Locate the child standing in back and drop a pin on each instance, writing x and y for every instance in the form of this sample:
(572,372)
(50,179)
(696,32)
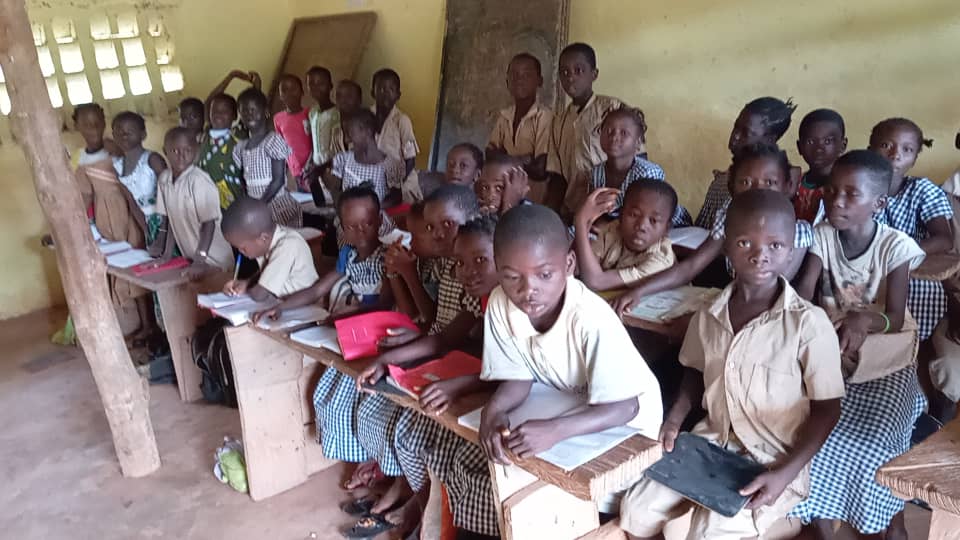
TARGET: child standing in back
(216,150)
(523,129)
(630,248)
(917,207)
(821,140)
(464,163)
(365,162)
(763,120)
(394,130)
(293,124)
(191,111)
(574,134)
(262,159)
(765,364)
(862,268)
(323,116)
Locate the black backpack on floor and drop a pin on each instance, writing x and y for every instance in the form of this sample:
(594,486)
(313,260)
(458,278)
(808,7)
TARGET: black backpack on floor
(210,354)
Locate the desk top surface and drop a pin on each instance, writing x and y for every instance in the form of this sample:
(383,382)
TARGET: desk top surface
(610,472)
(929,471)
(151,282)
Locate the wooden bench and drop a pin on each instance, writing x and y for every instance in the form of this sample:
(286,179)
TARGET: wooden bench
(930,472)
(275,378)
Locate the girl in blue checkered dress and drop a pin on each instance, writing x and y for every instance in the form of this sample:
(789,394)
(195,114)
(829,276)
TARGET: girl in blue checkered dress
(917,207)
(859,269)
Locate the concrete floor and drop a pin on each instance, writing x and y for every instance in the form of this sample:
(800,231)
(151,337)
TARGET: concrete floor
(61,479)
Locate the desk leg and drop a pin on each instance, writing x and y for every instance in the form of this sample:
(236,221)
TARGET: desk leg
(180,319)
(944,526)
(531,508)
(266,376)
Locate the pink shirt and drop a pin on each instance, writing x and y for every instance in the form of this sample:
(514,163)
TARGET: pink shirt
(295,130)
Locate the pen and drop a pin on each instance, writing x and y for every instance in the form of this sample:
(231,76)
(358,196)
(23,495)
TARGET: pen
(236,269)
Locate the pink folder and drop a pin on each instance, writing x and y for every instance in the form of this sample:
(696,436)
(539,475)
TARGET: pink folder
(359,335)
(454,364)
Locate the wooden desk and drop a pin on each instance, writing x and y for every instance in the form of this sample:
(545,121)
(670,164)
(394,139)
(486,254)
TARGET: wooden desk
(930,472)
(938,267)
(181,316)
(275,378)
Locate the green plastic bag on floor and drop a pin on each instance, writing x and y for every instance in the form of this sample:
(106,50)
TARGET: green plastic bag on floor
(65,336)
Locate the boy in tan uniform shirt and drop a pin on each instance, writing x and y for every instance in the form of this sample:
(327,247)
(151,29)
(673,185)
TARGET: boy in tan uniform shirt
(766,364)
(286,263)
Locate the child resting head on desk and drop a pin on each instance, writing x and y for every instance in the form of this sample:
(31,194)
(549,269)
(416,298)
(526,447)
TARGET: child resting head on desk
(544,325)
(286,264)
(765,364)
(631,248)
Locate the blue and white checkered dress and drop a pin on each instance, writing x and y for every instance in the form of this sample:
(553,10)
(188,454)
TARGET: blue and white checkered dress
(717,197)
(335,402)
(640,169)
(876,420)
(803,238)
(917,203)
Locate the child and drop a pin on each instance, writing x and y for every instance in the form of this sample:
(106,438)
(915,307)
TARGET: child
(216,150)
(191,116)
(763,120)
(323,116)
(760,166)
(464,163)
(189,205)
(543,325)
(286,264)
(621,132)
(523,129)
(765,364)
(917,207)
(394,130)
(862,268)
(574,141)
(411,271)
(821,140)
(631,248)
(365,162)
(349,98)
(262,160)
(502,185)
(138,168)
(293,124)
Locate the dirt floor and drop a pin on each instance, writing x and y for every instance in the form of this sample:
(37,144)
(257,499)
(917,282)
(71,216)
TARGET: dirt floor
(61,479)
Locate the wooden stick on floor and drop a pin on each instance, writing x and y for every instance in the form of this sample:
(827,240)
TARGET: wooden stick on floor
(123,392)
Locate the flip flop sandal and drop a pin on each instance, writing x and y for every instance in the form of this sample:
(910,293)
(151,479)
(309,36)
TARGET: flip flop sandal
(357,508)
(368,527)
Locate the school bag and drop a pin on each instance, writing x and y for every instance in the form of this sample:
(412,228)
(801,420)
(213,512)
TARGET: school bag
(212,357)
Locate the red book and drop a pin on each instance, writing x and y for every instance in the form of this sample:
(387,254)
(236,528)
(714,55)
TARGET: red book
(454,364)
(147,268)
(359,335)
(399,210)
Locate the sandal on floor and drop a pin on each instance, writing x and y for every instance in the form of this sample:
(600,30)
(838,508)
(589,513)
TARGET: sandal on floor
(358,508)
(368,527)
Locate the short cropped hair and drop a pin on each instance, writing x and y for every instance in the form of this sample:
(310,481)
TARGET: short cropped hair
(762,202)
(655,186)
(529,57)
(758,151)
(531,223)
(226,98)
(818,116)
(177,132)
(253,95)
(388,74)
(460,196)
(362,191)
(474,151)
(191,103)
(320,70)
(878,169)
(130,116)
(483,225)
(584,49)
(88,107)
(248,217)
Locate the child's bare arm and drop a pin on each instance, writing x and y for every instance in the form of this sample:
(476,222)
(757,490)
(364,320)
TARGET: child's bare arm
(408,165)
(222,86)
(493,418)
(207,230)
(535,436)
(592,273)
(767,487)
(941,236)
(437,397)
(681,273)
(157,163)
(310,295)
(808,276)
(278,169)
(690,395)
(333,182)
(857,325)
(158,248)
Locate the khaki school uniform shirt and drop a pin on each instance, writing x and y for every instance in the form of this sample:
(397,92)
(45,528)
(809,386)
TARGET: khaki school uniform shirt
(396,138)
(288,265)
(759,382)
(532,136)
(632,265)
(188,203)
(587,352)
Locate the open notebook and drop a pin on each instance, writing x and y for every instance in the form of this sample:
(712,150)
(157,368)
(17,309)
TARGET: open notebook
(545,402)
(292,318)
(237,310)
(452,365)
(318,337)
(359,335)
(672,304)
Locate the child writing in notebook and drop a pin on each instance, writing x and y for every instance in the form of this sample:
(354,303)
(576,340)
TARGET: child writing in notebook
(502,185)
(293,124)
(574,134)
(286,264)
(138,168)
(189,205)
(365,162)
(542,324)
(821,140)
(523,129)
(919,208)
(760,166)
(765,364)
(262,159)
(626,250)
(394,130)
(862,268)
(763,120)
(216,150)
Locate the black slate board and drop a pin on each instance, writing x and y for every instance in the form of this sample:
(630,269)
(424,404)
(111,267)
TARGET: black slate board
(706,474)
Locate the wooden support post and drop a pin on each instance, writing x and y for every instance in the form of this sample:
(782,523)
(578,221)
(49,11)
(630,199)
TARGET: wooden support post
(124,393)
